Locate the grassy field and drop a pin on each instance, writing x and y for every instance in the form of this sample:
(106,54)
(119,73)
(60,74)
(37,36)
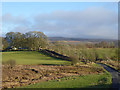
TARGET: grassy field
(110,52)
(102,52)
(87,81)
(31,57)
(34,57)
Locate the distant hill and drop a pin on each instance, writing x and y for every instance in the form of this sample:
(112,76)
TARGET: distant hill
(79,39)
(82,40)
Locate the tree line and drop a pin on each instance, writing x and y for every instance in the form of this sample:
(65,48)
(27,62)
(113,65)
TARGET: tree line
(80,52)
(33,40)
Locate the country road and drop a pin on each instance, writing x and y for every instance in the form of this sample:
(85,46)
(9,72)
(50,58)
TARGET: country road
(115,77)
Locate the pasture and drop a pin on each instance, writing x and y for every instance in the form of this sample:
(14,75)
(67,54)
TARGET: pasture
(102,52)
(52,76)
(31,57)
(87,81)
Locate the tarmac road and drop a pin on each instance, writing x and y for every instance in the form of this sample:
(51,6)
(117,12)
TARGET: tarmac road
(115,77)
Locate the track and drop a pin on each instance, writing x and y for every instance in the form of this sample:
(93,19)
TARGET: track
(115,77)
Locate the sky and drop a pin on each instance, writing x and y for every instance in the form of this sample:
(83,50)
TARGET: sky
(98,20)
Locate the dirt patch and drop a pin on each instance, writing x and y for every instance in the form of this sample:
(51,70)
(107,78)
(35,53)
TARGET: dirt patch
(22,75)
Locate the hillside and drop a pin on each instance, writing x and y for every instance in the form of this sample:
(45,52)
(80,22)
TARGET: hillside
(79,39)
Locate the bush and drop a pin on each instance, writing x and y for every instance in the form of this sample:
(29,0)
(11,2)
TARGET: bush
(73,59)
(11,63)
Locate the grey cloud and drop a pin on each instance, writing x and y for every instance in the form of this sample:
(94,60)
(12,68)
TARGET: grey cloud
(22,29)
(9,19)
(94,22)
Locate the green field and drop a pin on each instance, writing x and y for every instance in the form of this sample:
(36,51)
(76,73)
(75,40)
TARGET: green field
(87,81)
(34,57)
(102,53)
(31,57)
(110,52)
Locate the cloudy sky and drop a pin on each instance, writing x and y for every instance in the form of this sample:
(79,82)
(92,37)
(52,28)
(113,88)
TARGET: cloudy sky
(62,19)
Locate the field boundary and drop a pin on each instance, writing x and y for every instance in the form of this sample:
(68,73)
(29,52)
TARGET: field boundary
(54,54)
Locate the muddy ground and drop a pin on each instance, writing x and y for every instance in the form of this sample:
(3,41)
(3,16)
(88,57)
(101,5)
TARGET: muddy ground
(21,75)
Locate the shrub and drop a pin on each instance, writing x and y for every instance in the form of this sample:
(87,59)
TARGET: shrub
(11,63)
(73,59)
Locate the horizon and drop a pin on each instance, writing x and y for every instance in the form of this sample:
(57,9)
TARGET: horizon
(76,38)
(91,20)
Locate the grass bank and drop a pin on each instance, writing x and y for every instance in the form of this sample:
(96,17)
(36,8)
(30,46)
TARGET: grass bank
(112,64)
